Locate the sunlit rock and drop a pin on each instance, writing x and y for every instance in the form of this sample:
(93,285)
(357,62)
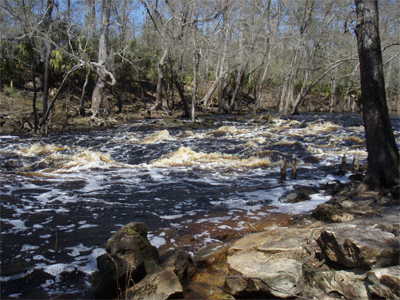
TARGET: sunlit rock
(360,247)
(384,283)
(252,275)
(176,269)
(268,263)
(348,284)
(329,213)
(161,285)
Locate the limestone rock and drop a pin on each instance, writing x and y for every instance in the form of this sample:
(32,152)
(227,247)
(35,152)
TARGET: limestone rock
(160,285)
(384,282)
(280,240)
(252,275)
(131,243)
(360,247)
(345,283)
(268,263)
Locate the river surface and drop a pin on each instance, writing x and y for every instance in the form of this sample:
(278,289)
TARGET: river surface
(63,196)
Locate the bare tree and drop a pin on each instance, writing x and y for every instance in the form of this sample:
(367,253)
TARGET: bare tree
(48,48)
(99,98)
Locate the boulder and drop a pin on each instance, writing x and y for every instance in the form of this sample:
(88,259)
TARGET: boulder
(344,283)
(252,275)
(329,213)
(384,282)
(131,244)
(268,263)
(132,268)
(360,247)
(114,274)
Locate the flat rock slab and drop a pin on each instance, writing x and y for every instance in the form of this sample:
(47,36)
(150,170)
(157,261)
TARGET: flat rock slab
(273,241)
(252,274)
(268,263)
(345,283)
(160,286)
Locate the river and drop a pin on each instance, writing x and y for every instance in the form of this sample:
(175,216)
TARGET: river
(64,195)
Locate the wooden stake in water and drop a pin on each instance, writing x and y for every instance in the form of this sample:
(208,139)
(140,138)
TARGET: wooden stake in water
(283,170)
(294,167)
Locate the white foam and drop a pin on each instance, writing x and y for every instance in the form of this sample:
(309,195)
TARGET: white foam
(157,241)
(28,247)
(87,226)
(91,263)
(19,225)
(56,269)
(171,217)
(300,207)
(76,251)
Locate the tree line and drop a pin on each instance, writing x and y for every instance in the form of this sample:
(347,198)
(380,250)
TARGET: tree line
(239,47)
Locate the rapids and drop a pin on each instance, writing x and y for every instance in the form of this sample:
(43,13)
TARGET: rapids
(63,196)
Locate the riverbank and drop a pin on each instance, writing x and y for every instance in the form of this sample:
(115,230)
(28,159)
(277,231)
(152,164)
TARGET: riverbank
(347,248)
(368,221)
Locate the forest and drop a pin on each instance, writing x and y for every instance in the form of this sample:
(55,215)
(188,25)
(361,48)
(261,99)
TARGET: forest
(185,56)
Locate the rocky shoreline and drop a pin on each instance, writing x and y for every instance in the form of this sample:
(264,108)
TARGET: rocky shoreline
(348,248)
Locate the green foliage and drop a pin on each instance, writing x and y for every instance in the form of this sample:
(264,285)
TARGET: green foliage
(9,90)
(298,85)
(57,60)
(322,90)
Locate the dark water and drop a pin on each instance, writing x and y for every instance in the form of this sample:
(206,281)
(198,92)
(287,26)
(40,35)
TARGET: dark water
(63,196)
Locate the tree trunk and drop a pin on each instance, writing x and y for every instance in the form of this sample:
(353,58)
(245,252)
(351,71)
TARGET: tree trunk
(47,55)
(99,97)
(160,78)
(32,58)
(82,112)
(196,62)
(180,89)
(332,100)
(239,74)
(383,156)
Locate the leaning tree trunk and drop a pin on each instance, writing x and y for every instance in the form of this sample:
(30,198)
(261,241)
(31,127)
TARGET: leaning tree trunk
(383,156)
